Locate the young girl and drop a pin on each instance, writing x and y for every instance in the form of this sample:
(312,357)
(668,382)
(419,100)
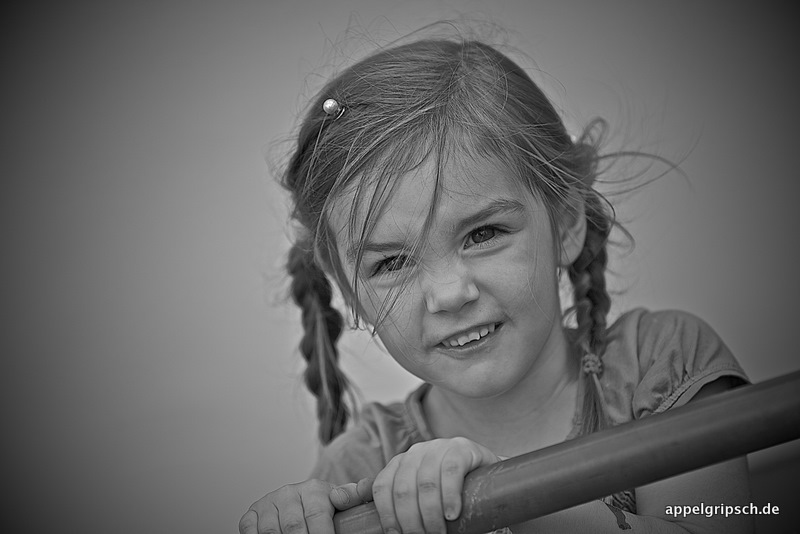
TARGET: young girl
(437,187)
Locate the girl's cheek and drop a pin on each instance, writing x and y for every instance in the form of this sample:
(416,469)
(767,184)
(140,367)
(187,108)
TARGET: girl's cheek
(368,301)
(388,298)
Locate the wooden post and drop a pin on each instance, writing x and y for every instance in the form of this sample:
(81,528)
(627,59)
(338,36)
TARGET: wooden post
(702,433)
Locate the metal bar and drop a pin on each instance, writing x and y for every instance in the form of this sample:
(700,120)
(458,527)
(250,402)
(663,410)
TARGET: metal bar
(705,432)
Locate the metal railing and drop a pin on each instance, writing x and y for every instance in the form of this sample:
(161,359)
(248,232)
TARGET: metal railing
(705,432)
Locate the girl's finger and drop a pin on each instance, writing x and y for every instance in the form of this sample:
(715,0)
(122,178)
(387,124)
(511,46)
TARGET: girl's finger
(291,519)
(456,463)
(364,488)
(453,471)
(429,492)
(384,500)
(317,509)
(248,524)
(352,494)
(344,496)
(404,493)
(268,520)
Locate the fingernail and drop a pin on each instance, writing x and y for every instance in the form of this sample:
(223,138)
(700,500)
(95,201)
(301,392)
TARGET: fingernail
(449,514)
(342,495)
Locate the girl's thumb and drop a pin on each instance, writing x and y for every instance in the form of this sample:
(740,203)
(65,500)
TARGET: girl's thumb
(352,494)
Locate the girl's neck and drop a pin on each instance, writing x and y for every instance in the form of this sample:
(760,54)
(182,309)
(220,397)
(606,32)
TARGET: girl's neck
(537,412)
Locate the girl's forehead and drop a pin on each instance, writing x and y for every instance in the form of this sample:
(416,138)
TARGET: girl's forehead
(400,209)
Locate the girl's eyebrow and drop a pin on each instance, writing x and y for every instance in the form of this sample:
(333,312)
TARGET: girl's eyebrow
(495,207)
(369,246)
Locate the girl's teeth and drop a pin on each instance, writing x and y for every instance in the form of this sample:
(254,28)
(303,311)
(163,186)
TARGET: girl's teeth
(472,336)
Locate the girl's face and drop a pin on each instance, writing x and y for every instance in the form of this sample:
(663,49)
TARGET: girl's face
(480,312)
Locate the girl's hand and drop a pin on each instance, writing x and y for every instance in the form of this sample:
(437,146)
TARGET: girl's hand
(304,508)
(419,488)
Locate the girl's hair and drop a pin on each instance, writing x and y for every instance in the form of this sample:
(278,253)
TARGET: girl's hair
(429,101)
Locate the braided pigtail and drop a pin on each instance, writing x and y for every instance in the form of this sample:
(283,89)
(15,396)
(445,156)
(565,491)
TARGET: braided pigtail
(591,304)
(311,290)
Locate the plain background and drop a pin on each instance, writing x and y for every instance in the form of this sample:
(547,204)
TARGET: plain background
(150,379)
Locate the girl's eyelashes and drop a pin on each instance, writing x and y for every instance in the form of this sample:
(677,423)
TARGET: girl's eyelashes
(389,264)
(483,236)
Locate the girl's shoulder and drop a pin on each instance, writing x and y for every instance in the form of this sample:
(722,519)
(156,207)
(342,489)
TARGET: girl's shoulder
(659,360)
(379,433)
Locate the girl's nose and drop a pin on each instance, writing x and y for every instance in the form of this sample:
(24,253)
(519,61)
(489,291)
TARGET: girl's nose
(448,288)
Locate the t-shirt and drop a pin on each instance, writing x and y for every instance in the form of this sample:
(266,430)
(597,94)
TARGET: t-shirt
(654,361)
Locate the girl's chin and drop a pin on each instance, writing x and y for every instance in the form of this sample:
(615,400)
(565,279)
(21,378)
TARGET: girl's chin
(478,387)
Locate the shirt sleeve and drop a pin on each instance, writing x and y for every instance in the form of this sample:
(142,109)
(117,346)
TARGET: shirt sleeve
(363,450)
(678,355)
(348,458)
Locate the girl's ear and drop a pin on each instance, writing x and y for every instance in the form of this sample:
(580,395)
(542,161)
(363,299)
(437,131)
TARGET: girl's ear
(572,238)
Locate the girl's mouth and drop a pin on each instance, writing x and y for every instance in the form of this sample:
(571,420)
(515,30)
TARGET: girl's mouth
(471,337)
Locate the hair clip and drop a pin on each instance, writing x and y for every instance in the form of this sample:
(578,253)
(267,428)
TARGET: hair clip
(591,364)
(332,106)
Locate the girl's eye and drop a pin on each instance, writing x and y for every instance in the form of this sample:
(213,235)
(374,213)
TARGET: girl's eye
(390,265)
(482,235)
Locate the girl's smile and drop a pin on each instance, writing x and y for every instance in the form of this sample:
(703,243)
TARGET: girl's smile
(475,308)
(469,336)
(476,340)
